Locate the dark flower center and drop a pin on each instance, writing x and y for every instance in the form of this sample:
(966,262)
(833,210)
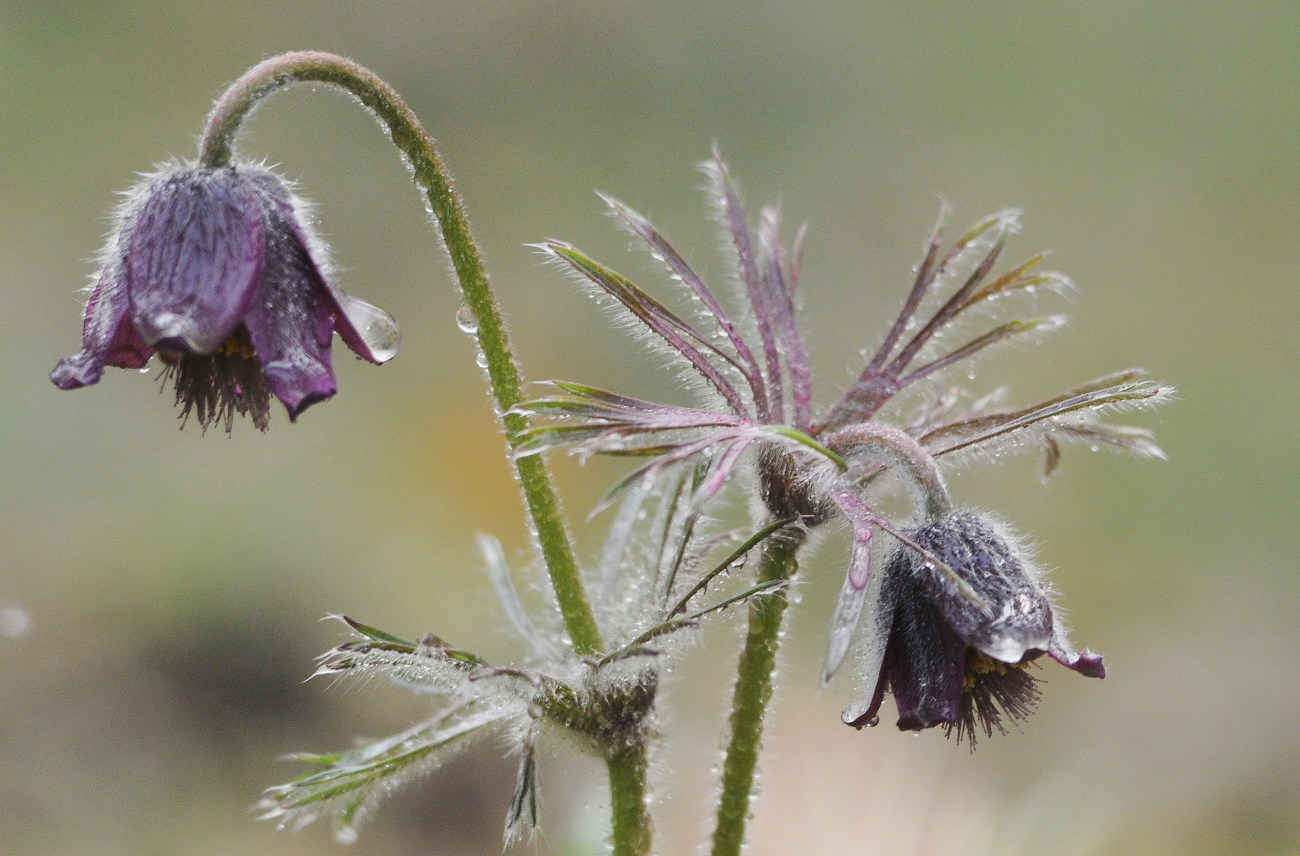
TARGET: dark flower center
(990,690)
(213,388)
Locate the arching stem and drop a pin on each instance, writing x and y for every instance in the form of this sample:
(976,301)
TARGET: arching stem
(887,445)
(429,173)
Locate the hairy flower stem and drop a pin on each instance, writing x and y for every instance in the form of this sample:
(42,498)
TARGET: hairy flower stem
(900,450)
(215,150)
(752,692)
(632,831)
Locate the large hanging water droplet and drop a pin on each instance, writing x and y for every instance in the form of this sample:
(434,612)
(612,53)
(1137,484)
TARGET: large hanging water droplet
(376,328)
(465,320)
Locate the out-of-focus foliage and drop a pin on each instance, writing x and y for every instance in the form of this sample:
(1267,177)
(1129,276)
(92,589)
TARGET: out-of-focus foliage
(173,582)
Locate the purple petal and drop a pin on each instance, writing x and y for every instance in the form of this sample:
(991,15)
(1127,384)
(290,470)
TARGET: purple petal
(867,715)
(1021,616)
(292,323)
(193,258)
(925,661)
(1087,663)
(106,334)
(368,331)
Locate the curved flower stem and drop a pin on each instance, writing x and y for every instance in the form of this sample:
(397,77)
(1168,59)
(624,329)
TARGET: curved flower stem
(632,831)
(215,150)
(902,451)
(753,690)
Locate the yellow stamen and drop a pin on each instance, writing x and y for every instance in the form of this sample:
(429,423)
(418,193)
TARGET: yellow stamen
(979,665)
(237,345)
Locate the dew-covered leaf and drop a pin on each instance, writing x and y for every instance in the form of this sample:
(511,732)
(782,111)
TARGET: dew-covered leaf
(347,784)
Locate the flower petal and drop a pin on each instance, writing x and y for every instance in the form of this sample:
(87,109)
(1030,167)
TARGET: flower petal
(1021,616)
(107,337)
(291,324)
(192,259)
(925,661)
(368,331)
(1086,663)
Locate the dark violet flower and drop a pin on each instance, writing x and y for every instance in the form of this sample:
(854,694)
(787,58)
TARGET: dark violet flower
(947,661)
(218,272)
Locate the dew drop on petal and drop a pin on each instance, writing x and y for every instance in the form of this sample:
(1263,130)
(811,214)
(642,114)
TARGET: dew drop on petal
(376,328)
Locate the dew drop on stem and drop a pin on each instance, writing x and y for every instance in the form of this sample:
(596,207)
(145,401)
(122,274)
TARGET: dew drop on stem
(465,320)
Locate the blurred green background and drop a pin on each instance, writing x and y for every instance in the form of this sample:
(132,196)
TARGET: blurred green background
(170,584)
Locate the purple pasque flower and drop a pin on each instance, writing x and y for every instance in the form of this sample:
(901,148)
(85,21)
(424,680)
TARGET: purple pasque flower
(218,272)
(752,374)
(946,660)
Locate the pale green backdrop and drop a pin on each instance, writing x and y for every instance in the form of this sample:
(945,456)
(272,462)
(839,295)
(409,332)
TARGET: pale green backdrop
(173,582)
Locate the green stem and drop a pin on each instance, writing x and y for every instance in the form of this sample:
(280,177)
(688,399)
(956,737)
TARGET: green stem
(632,830)
(431,175)
(752,692)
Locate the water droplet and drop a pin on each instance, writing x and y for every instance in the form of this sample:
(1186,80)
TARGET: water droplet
(345,834)
(376,328)
(481,360)
(465,320)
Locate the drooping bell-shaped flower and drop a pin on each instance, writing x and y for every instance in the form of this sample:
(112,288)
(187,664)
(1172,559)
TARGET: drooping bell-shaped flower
(218,272)
(955,660)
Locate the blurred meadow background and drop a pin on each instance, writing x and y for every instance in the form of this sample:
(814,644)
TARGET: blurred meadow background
(161,590)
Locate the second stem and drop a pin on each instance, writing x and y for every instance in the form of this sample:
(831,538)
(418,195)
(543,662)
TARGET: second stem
(752,693)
